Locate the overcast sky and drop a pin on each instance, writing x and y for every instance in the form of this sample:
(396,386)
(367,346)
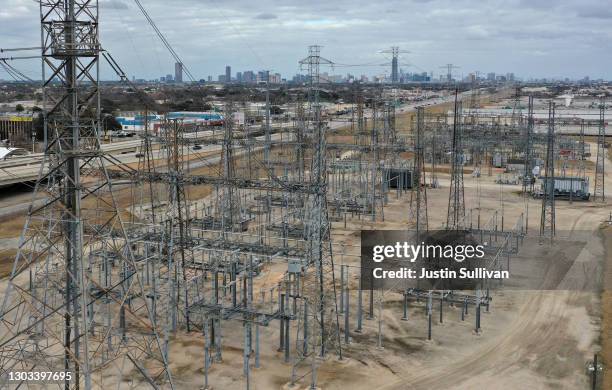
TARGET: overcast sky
(532,38)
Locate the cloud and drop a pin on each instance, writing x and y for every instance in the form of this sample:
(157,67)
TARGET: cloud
(266,16)
(113,4)
(491,36)
(602,13)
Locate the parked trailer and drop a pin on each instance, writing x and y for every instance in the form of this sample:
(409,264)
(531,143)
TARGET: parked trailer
(568,187)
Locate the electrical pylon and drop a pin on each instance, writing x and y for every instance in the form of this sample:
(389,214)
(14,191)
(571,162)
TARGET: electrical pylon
(528,174)
(547,219)
(418,200)
(75,302)
(456,200)
(581,169)
(599,194)
(318,329)
(230,199)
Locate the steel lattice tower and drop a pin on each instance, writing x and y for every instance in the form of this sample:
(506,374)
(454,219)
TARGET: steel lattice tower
(581,158)
(177,223)
(528,174)
(74,302)
(418,202)
(230,199)
(318,326)
(599,193)
(456,200)
(547,220)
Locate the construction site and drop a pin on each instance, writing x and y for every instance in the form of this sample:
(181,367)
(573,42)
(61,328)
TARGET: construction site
(229,256)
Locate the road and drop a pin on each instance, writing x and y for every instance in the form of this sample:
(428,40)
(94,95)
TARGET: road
(27,168)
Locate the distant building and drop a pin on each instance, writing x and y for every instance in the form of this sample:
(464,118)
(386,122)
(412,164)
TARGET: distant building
(263,76)
(162,79)
(16,129)
(178,72)
(222,78)
(228,74)
(239,77)
(169,78)
(299,79)
(394,69)
(491,76)
(137,122)
(210,78)
(275,78)
(248,76)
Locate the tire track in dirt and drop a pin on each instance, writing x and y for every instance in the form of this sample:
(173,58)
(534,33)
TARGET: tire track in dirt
(541,319)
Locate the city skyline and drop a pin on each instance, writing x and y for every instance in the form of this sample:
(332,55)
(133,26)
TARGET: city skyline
(549,41)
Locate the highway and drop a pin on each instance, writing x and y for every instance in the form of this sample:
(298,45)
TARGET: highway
(25,169)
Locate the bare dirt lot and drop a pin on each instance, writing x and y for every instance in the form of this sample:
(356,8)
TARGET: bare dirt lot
(531,339)
(535,339)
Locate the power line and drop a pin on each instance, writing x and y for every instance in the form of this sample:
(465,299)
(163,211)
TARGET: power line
(165,41)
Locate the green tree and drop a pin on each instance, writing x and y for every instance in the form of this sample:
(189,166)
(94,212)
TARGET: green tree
(19,108)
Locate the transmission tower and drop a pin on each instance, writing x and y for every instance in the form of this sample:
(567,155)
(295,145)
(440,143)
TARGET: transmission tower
(456,200)
(418,201)
(395,52)
(581,157)
(177,216)
(230,200)
(318,325)
(547,220)
(449,71)
(599,193)
(74,302)
(528,174)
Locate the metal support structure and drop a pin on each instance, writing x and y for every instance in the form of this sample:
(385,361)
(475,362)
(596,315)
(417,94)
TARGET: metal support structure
(547,219)
(456,200)
(418,203)
(72,318)
(599,193)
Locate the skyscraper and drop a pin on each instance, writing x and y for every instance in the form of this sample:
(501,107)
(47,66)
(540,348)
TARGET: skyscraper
(178,72)
(228,74)
(248,76)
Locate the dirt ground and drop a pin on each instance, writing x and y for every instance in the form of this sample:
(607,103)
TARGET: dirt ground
(530,339)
